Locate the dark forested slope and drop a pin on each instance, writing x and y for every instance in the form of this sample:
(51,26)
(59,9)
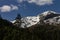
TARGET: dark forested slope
(37,32)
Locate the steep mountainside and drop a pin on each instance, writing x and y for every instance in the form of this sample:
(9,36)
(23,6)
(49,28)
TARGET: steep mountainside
(36,32)
(45,17)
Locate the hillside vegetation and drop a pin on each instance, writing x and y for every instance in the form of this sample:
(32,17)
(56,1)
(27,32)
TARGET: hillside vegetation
(37,32)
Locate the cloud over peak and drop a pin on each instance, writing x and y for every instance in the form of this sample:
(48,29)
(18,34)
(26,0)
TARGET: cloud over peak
(8,8)
(38,2)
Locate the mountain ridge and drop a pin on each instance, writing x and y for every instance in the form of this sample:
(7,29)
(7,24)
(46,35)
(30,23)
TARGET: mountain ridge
(32,20)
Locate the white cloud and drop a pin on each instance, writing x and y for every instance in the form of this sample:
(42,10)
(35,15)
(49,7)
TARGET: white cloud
(8,8)
(14,7)
(5,8)
(38,2)
(20,0)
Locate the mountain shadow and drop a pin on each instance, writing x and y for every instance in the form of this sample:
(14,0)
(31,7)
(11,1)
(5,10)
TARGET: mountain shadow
(51,16)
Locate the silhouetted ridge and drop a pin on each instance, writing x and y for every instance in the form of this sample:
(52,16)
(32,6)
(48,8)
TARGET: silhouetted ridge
(4,22)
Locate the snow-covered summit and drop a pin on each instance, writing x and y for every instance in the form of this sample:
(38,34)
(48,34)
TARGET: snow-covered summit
(29,21)
(32,20)
(47,13)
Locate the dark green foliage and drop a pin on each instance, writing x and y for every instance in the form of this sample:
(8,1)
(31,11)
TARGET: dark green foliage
(37,32)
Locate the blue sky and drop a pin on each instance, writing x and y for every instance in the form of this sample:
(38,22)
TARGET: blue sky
(10,8)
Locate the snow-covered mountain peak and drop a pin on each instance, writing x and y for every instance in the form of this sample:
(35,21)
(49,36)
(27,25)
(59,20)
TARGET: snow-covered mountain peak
(47,13)
(29,21)
(47,17)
